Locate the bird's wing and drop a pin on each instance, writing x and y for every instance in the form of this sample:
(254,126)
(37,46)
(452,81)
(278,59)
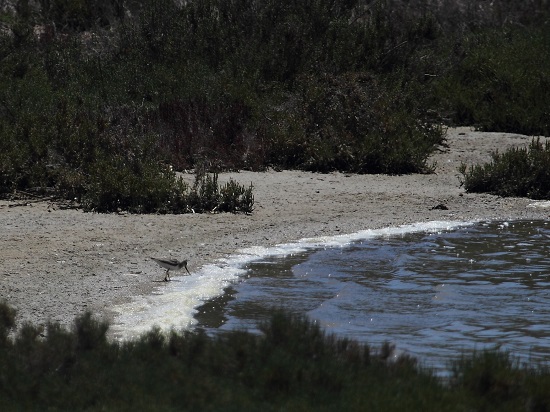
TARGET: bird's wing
(168,261)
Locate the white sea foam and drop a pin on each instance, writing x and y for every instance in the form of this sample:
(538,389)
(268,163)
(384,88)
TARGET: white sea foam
(540,203)
(173,305)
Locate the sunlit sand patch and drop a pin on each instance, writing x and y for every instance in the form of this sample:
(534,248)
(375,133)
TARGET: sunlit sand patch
(540,203)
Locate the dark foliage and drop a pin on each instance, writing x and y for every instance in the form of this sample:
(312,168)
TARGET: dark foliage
(97,96)
(500,81)
(355,123)
(523,172)
(291,365)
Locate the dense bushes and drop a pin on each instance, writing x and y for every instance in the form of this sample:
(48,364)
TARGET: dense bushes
(515,172)
(353,122)
(104,163)
(291,365)
(93,94)
(501,81)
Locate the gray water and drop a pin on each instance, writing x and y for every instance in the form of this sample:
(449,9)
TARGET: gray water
(433,295)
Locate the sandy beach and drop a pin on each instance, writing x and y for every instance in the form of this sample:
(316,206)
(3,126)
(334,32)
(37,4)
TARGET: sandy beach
(57,263)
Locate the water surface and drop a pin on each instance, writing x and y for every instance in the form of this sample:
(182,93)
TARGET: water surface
(433,293)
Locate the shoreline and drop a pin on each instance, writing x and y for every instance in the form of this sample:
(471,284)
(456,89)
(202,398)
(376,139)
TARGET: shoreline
(59,263)
(200,301)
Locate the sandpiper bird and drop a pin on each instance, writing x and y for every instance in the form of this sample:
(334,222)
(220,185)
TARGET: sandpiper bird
(171,264)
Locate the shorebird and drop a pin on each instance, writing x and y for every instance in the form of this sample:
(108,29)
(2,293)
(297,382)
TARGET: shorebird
(171,264)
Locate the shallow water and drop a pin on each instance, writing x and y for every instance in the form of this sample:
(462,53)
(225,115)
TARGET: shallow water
(432,292)
(180,304)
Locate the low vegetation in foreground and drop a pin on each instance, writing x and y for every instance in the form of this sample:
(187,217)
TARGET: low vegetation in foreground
(291,365)
(522,172)
(98,97)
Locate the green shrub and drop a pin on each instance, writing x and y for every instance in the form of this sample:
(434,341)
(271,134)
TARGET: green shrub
(7,321)
(355,123)
(138,187)
(104,162)
(235,197)
(488,373)
(208,196)
(517,172)
(496,380)
(292,364)
(500,81)
(86,87)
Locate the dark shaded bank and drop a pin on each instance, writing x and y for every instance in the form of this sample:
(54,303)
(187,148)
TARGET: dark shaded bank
(99,97)
(292,365)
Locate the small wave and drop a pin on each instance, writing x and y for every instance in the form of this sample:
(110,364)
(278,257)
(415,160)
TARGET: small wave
(174,305)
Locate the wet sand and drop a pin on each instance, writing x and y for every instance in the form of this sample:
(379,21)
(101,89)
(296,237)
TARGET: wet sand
(56,263)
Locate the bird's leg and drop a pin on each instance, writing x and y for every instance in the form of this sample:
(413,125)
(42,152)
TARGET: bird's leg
(167,276)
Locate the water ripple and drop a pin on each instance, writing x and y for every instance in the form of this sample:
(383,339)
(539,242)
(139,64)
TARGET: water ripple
(433,294)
